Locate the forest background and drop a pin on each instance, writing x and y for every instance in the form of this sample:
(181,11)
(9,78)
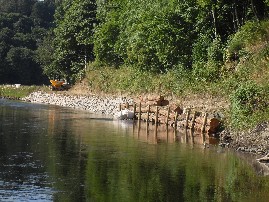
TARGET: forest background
(217,48)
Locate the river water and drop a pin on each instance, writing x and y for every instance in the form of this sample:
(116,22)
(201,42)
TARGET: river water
(50,153)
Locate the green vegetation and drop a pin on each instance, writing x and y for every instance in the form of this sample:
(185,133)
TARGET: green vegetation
(22,91)
(172,47)
(23,24)
(241,78)
(132,55)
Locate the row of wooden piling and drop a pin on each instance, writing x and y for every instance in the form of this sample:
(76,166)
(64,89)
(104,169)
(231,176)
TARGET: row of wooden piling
(178,118)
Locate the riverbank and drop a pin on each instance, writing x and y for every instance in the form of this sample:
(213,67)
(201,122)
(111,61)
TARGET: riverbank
(80,97)
(254,141)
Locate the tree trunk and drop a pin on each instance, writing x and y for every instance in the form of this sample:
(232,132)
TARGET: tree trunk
(214,20)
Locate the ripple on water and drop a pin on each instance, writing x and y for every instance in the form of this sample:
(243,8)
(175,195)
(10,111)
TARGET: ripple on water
(22,178)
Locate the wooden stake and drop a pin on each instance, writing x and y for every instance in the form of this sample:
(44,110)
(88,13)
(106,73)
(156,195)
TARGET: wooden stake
(167,118)
(204,122)
(119,107)
(134,109)
(187,118)
(157,115)
(193,120)
(139,112)
(127,105)
(148,113)
(176,115)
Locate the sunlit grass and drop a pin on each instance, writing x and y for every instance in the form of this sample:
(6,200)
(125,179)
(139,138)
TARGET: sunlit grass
(11,91)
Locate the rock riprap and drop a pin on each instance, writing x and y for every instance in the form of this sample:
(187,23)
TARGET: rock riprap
(93,103)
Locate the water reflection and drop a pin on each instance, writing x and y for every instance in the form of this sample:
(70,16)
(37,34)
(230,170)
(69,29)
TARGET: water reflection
(50,153)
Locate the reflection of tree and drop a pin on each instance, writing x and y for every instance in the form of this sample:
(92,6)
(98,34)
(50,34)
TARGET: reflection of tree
(150,175)
(134,178)
(69,164)
(118,167)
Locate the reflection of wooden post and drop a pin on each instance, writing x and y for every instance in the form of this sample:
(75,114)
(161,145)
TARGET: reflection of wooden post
(186,136)
(192,136)
(193,120)
(155,133)
(147,130)
(175,134)
(166,129)
(156,123)
(187,118)
(138,130)
(167,118)
(204,122)
(148,112)
(139,112)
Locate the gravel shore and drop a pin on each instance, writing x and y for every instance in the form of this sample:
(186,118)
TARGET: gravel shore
(255,141)
(100,105)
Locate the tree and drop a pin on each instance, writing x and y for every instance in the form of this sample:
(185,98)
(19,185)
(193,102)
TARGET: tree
(19,39)
(42,13)
(75,21)
(22,67)
(150,35)
(17,6)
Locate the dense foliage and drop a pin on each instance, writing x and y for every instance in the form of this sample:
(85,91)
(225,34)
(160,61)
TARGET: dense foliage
(23,24)
(72,42)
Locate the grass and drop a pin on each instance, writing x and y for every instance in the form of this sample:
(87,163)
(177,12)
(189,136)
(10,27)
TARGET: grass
(11,91)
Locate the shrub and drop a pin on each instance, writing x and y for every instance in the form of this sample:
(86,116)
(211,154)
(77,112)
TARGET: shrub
(247,100)
(208,59)
(240,44)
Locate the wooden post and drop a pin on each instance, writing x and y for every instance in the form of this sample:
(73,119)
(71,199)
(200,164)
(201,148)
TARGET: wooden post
(148,113)
(167,118)
(134,109)
(193,120)
(119,107)
(187,118)
(139,112)
(204,122)
(176,115)
(127,105)
(157,115)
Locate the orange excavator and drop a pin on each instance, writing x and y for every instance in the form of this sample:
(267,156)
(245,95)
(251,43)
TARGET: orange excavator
(58,85)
